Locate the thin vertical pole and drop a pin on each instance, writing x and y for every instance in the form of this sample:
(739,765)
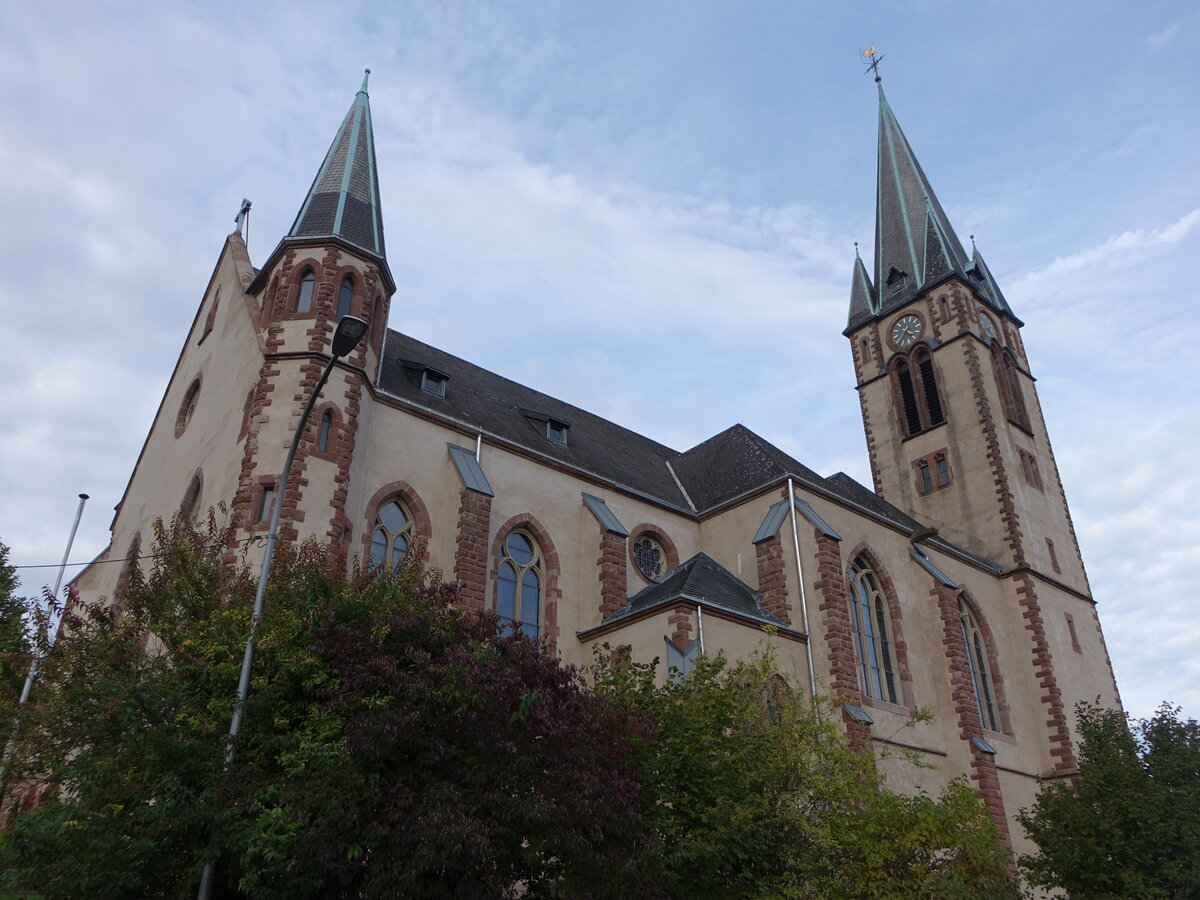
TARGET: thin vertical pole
(36,665)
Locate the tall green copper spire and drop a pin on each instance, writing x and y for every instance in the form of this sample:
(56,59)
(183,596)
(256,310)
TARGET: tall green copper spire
(915,246)
(343,201)
(908,216)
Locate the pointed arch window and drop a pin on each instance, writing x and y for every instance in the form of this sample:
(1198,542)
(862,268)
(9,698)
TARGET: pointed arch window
(304,293)
(872,633)
(977,660)
(191,497)
(324,431)
(1005,367)
(915,382)
(345,297)
(391,535)
(519,581)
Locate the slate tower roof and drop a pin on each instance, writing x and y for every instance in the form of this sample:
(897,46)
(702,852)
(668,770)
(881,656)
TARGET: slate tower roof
(343,201)
(915,245)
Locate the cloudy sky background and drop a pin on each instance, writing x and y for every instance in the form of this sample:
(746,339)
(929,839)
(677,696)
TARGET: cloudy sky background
(645,208)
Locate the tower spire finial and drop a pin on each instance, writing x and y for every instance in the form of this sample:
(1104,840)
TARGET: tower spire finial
(871,57)
(366,75)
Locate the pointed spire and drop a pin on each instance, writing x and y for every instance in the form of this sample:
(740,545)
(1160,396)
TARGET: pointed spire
(985,285)
(862,294)
(343,201)
(914,242)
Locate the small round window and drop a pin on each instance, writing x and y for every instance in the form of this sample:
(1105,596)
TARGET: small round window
(650,557)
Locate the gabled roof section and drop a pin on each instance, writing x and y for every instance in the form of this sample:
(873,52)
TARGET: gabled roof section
(908,216)
(733,463)
(703,580)
(343,201)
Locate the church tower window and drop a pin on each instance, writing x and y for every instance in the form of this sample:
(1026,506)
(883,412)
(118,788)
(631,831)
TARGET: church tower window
(188,407)
(870,619)
(304,294)
(345,297)
(324,431)
(519,584)
(1005,368)
(392,535)
(917,392)
(981,678)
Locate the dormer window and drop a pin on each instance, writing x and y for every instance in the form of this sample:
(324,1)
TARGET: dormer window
(434,382)
(557,431)
(897,281)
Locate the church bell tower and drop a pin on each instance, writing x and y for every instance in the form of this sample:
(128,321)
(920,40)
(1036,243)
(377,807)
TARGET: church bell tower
(954,429)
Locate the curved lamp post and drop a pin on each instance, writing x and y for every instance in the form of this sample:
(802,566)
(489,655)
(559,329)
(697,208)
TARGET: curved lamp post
(350,331)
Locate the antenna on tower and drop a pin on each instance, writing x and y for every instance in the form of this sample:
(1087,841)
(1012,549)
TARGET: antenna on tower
(871,58)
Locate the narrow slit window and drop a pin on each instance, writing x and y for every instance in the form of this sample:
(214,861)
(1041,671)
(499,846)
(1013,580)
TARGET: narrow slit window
(304,293)
(926,478)
(345,297)
(943,470)
(324,431)
(266,503)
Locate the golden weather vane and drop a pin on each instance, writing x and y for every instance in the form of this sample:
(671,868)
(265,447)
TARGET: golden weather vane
(871,58)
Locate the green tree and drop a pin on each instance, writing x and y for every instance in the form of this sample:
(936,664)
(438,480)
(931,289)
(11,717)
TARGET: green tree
(753,792)
(15,646)
(396,744)
(1128,824)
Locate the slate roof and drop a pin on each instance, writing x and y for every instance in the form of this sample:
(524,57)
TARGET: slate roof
(701,579)
(720,469)
(502,407)
(343,201)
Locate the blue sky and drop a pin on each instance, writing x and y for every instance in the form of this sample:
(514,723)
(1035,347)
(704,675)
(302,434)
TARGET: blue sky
(647,209)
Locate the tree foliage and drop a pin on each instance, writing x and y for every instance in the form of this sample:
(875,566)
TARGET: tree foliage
(15,645)
(752,791)
(397,743)
(1128,825)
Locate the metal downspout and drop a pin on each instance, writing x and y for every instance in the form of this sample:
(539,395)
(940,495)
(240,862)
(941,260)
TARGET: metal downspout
(812,672)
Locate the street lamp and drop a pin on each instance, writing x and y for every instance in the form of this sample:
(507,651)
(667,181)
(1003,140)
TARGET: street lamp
(350,331)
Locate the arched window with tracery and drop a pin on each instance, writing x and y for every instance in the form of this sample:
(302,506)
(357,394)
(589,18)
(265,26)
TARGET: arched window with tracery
(871,621)
(519,581)
(345,297)
(917,396)
(391,535)
(977,659)
(304,293)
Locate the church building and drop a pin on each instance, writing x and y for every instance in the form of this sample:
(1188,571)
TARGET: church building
(952,583)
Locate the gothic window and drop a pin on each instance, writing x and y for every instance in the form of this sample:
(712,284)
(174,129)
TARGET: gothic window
(191,497)
(1005,367)
(649,557)
(519,584)
(345,297)
(304,293)
(917,394)
(211,318)
(188,407)
(943,469)
(1029,467)
(392,534)
(324,431)
(873,646)
(981,678)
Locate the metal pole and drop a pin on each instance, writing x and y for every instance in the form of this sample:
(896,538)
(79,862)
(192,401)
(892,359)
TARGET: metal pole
(812,673)
(264,574)
(36,665)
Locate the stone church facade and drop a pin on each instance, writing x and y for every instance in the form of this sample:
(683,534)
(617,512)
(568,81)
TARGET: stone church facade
(953,583)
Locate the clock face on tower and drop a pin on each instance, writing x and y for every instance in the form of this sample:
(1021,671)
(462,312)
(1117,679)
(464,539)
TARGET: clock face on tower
(906,331)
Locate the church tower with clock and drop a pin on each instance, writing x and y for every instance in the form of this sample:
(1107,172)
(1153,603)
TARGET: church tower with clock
(954,429)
